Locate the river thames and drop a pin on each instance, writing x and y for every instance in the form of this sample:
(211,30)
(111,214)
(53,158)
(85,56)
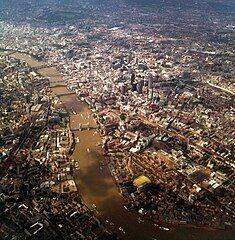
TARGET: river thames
(97,186)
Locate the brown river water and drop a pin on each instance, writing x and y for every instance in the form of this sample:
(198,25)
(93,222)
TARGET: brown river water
(97,186)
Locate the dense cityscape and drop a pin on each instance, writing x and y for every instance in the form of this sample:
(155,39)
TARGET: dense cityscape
(117,120)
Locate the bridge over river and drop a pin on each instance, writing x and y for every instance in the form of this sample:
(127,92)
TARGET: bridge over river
(82,127)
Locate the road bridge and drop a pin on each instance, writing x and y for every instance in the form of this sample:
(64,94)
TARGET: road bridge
(82,127)
(43,66)
(65,94)
(58,85)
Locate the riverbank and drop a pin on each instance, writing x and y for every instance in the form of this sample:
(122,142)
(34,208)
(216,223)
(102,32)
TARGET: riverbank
(98,187)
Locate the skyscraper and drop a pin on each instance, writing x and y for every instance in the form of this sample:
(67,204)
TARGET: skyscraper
(140,86)
(132,78)
(150,87)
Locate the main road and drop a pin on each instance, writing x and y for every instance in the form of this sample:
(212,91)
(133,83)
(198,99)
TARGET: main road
(97,186)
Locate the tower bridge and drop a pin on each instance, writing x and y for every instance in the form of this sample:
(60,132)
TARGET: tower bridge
(82,127)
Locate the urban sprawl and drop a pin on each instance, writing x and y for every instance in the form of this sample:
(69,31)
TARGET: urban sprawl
(163,101)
